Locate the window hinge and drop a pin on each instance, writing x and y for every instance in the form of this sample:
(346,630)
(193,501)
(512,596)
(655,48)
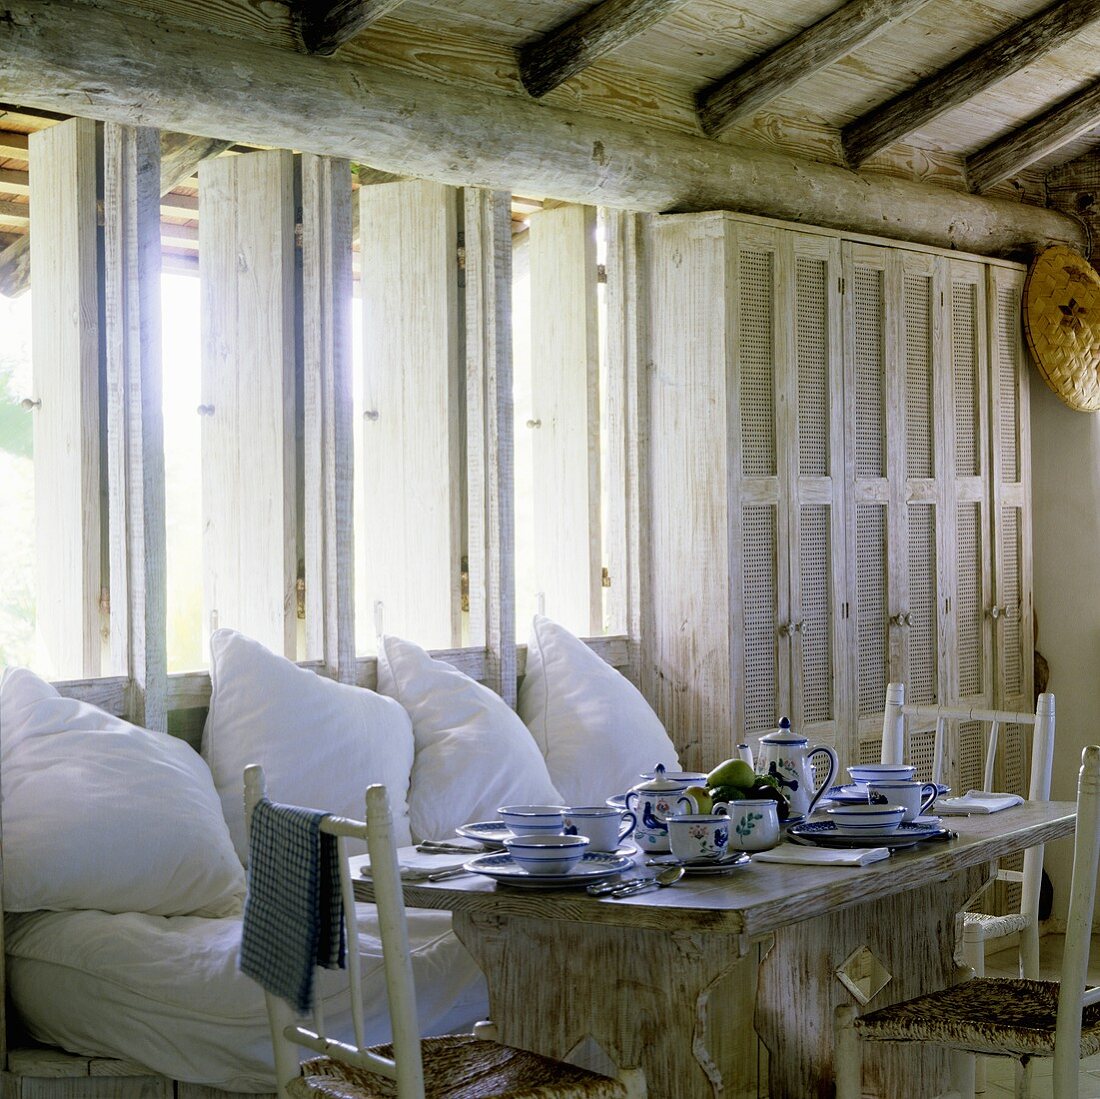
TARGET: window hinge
(605,577)
(601,272)
(300,589)
(840,283)
(464,583)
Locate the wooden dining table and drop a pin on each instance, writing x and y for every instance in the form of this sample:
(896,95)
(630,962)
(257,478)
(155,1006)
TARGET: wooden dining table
(687,982)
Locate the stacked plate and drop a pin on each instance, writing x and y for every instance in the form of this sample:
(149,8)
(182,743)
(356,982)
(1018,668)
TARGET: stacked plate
(824,833)
(593,867)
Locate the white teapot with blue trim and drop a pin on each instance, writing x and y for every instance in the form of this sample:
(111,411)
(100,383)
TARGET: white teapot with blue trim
(788,757)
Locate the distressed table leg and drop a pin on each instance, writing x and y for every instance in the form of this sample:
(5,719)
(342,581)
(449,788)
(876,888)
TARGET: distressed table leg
(799,992)
(677,1005)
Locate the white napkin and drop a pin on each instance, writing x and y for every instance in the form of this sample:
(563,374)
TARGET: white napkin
(822,856)
(421,871)
(977,801)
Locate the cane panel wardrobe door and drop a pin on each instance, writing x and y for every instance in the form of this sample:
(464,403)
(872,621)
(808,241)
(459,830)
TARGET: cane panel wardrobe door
(969,621)
(895,491)
(786,544)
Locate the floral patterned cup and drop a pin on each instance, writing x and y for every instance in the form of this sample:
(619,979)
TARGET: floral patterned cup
(754,824)
(699,835)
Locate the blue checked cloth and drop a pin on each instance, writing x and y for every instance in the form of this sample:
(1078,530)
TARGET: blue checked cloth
(294,916)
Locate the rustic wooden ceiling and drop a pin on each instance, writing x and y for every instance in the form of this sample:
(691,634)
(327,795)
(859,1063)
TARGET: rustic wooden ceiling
(982,95)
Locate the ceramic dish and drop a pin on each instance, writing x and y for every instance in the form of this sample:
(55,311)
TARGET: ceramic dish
(854,793)
(491,833)
(617,801)
(594,866)
(703,868)
(825,834)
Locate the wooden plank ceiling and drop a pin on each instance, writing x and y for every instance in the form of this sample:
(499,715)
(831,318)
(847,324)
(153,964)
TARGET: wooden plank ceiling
(982,95)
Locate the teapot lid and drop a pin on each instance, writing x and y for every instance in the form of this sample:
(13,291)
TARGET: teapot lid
(659,784)
(783,735)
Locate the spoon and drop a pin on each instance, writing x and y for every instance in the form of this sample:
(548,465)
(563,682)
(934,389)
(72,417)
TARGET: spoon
(666,877)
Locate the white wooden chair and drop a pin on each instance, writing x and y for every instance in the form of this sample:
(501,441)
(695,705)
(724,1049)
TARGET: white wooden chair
(1014,1017)
(450,1067)
(978,928)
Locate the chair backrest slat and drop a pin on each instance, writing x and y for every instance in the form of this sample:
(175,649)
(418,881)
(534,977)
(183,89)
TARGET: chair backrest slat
(1075,956)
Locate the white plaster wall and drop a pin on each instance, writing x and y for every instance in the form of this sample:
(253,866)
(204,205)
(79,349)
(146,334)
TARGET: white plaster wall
(1065,449)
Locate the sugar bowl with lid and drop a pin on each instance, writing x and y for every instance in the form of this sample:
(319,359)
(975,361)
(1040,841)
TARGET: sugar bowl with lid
(652,802)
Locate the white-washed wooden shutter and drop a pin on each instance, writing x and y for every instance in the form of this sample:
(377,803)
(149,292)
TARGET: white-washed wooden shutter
(565,398)
(760,544)
(868,494)
(693,676)
(813,430)
(65,353)
(246,267)
(412,431)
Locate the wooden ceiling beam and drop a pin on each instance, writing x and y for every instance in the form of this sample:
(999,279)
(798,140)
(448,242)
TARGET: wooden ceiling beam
(1064,122)
(14,181)
(15,268)
(574,45)
(747,89)
(108,62)
(19,212)
(965,78)
(323,27)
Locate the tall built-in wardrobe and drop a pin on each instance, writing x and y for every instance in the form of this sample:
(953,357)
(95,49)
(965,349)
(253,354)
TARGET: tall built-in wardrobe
(838,472)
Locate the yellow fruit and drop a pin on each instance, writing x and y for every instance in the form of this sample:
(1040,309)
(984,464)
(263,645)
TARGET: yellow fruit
(701,797)
(732,772)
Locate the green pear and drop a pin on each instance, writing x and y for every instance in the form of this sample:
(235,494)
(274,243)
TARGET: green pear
(700,796)
(732,772)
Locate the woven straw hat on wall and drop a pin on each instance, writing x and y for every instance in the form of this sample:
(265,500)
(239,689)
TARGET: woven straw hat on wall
(1062,324)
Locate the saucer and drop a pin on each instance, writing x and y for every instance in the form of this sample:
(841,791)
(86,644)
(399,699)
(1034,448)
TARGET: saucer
(855,792)
(491,833)
(825,834)
(594,866)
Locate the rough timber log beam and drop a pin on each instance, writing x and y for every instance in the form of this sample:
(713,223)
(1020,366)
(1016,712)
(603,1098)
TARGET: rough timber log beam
(747,89)
(965,78)
(324,27)
(106,63)
(181,154)
(576,44)
(1044,135)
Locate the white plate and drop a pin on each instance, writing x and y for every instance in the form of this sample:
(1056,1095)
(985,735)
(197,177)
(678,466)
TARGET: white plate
(492,833)
(501,867)
(824,832)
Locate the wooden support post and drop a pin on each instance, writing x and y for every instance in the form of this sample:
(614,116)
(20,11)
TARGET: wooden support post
(135,430)
(412,453)
(327,429)
(623,396)
(566,426)
(489,433)
(576,44)
(65,351)
(246,262)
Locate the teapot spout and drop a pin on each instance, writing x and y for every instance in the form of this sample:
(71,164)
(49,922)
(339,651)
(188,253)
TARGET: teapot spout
(745,752)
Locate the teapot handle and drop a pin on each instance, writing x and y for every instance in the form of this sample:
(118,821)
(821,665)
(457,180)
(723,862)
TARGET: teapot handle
(827,784)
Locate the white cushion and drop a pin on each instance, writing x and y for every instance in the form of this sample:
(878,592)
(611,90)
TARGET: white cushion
(594,727)
(321,743)
(98,813)
(473,753)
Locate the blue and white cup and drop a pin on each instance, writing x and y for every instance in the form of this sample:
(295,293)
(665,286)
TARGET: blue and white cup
(694,836)
(605,827)
(916,798)
(528,820)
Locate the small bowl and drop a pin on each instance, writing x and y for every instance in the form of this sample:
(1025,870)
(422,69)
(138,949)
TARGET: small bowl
(545,854)
(527,820)
(859,820)
(880,772)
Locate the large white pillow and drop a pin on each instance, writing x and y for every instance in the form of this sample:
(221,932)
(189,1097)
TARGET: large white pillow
(592,724)
(321,743)
(473,753)
(98,813)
